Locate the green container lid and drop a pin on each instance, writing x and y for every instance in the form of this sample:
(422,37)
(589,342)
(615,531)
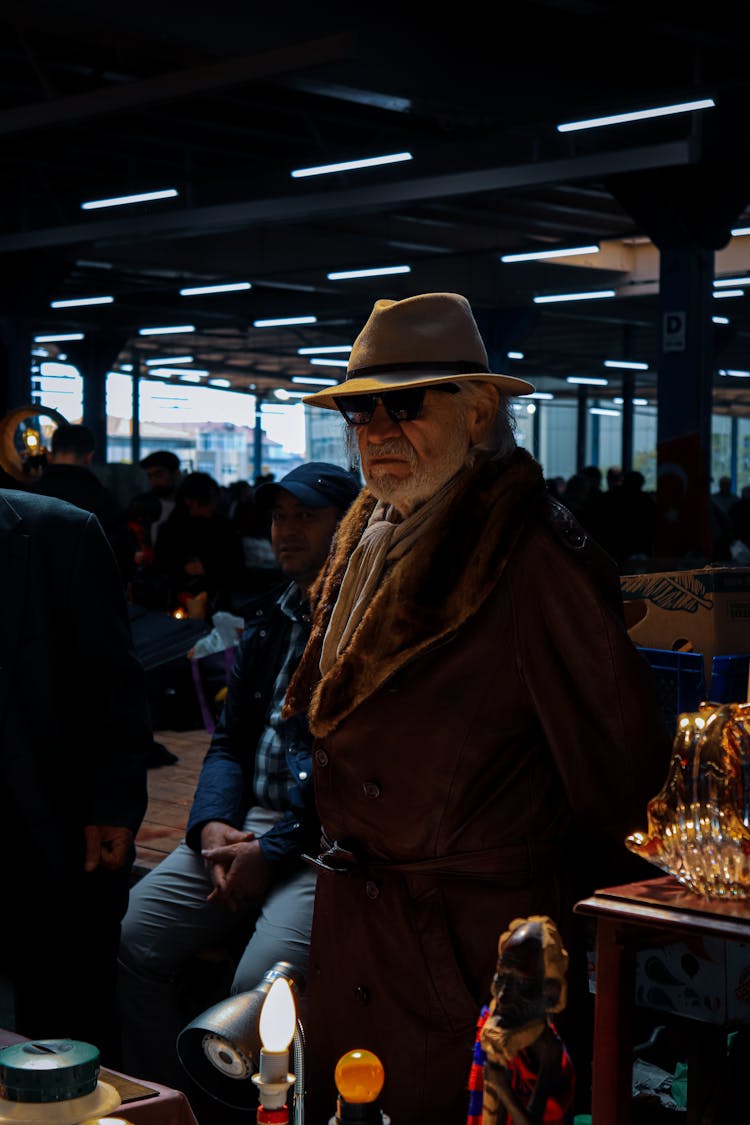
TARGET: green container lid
(48,1070)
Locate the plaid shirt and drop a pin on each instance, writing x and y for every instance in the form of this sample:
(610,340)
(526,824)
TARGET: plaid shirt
(272,776)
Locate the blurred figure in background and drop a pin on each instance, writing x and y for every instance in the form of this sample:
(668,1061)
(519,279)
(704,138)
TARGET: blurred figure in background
(68,476)
(162,467)
(199,551)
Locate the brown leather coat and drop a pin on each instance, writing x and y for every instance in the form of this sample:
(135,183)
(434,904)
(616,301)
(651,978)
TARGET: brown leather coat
(489,734)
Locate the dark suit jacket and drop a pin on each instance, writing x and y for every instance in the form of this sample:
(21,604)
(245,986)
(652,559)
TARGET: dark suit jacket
(74,723)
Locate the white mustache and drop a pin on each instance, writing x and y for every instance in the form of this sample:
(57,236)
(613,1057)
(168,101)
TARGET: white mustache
(394,447)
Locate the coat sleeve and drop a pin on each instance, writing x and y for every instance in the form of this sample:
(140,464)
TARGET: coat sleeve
(223,785)
(115,723)
(224,789)
(591,689)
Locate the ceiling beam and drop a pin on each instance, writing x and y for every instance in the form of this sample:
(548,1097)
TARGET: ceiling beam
(305,207)
(176,84)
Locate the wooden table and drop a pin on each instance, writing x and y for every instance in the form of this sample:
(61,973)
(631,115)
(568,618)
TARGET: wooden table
(142,1104)
(628,917)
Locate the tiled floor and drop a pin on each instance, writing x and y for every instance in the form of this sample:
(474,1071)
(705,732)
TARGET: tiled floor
(170,795)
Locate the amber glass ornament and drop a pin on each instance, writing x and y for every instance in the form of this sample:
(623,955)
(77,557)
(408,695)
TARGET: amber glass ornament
(699,823)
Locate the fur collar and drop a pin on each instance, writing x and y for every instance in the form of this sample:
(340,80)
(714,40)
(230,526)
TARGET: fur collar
(425,596)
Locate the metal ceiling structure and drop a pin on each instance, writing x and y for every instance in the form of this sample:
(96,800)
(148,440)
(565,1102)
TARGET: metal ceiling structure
(223,101)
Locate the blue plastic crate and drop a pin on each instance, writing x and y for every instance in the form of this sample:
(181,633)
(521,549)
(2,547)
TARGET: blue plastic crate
(680,681)
(729,678)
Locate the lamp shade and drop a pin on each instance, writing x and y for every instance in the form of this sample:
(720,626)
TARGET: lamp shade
(220,1049)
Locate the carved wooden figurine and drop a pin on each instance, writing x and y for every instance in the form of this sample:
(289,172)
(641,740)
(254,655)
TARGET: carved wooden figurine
(521,1066)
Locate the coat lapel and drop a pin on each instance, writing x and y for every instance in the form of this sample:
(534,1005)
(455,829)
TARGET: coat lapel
(426,595)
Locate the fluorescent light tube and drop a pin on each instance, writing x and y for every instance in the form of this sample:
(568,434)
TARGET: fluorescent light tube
(604,410)
(377,271)
(121,200)
(728,282)
(75,302)
(230,287)
(167,361)
(280,321)
(315,380)
(59,337)
(514,355)
(739,231)
(219,383)
(718,293)
(595,295)
(321,362)
(192,376)
(198,372)
(540,394)
(166,331)
(588,380)
(720,319)
(627,364)
(351,165)
(538,255)
(283,394)
(636,115)
(733,373)
(326,350)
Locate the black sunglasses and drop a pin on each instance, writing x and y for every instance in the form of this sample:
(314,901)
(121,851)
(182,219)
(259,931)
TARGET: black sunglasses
(400,405)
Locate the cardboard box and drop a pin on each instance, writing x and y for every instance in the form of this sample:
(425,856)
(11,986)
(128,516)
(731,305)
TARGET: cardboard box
(705,979)
(687,978)
(706,610)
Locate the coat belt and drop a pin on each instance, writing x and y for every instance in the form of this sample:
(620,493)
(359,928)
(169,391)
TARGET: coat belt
(505,860)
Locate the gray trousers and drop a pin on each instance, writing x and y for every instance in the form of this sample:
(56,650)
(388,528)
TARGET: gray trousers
(168,921)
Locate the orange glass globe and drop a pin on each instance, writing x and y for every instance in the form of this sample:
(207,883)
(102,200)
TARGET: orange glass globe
(359,1076)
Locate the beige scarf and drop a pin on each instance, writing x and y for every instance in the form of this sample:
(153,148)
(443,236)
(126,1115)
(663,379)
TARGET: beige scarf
(386,538)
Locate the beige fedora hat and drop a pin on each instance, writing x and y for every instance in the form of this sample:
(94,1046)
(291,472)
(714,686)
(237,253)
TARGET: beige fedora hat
(418,342)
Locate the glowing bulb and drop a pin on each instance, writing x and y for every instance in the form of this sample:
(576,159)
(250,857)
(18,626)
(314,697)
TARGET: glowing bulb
(359,1077)
(277,1017)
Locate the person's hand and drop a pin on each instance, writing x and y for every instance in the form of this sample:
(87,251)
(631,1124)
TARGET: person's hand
(217,837)
(107,846)
(239,873)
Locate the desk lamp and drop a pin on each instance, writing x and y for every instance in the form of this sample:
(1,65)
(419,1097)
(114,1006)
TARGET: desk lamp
(222,1048)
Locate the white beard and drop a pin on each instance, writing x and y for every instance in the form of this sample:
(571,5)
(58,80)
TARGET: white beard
(423,481)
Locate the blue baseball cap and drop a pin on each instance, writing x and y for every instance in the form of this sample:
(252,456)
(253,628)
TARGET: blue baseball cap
(317,484)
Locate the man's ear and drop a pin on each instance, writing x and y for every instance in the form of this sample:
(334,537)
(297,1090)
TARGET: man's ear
(482,413)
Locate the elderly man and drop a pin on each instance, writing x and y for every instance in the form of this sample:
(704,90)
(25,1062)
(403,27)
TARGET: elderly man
(484,729)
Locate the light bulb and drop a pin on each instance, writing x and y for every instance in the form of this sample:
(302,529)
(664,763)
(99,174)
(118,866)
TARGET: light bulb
(277,1017)
(359,1077)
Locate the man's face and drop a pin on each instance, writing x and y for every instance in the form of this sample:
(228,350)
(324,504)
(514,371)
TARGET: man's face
(404,463)
(301,536)
(161,480)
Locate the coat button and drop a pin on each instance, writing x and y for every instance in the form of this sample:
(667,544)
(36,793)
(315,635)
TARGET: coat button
(256,695)
(362,993)
(372,890)
(371,789)
(261,632)
(321,757)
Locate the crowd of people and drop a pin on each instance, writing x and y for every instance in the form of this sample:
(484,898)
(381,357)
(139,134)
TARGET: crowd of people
(436,722)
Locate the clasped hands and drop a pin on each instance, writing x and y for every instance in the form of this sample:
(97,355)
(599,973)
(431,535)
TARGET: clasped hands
(239,871)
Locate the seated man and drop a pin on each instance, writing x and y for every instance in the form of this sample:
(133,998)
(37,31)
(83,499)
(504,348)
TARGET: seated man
(252,815)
